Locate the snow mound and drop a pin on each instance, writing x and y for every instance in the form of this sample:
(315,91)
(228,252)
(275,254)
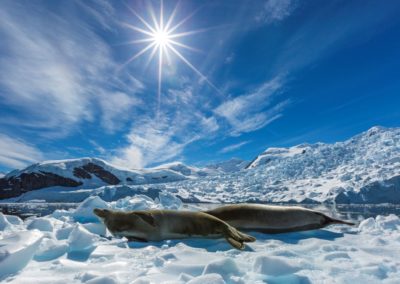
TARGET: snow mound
(76,253)
(84,212)
(169,201)
(41,224)
(274,266)
(212,278)
(138,202)
(50,249)
(15,220)
(17,250)
(4,223)
(226,268)
(81,239)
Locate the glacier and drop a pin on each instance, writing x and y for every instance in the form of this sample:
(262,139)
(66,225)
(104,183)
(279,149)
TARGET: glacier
(363,169)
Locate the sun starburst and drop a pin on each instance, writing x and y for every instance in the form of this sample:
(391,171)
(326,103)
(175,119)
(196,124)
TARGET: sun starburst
(162,38)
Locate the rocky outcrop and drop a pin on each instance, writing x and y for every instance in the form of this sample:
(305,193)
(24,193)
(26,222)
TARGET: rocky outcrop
(81,173)
(101,173)
(17,185)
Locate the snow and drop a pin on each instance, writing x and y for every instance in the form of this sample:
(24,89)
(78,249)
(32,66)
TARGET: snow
(79,251)
(16,251)
(41,224)
(4,223)
(84,212)
(15,220)
(363,169)
(80,239)
(229,166)
(65,168)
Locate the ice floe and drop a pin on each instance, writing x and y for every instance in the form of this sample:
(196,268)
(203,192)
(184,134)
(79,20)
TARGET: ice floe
(79,250)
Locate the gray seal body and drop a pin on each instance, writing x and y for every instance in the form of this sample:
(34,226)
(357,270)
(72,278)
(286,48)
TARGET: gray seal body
(157,225)
(273,219)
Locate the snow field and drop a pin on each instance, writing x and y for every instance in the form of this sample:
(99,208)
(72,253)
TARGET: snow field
(73,247)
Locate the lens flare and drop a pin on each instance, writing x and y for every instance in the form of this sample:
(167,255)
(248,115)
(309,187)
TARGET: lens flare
(162,39)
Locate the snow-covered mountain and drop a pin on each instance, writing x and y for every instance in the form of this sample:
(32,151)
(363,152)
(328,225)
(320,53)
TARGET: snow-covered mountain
(363,169)
(87,173)
(229,166)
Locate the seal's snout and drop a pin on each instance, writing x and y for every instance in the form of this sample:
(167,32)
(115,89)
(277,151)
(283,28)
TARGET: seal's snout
(102,213)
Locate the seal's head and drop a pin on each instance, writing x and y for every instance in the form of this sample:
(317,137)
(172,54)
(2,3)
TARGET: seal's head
(101,213)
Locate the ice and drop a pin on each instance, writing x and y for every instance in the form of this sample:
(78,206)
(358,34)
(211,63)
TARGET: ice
(41,224)
(137,202)
(64,232)
(84,212)
(274,266)
(102,280)
(212,278)
(78,253)
(226,267)
(169,201)
(15,220)
(362,169)
(50,249)
(17,250)
(96,228)
(81,239)
(4,223)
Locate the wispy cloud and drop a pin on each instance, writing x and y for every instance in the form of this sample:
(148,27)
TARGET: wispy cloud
(153,140)
(16,154)
(54,69)
(115,107)
(254,110)
(276,10)
(233,147)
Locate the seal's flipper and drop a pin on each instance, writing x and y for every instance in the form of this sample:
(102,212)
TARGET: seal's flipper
(146,217)
(235,243)
(245,237)
(237,236)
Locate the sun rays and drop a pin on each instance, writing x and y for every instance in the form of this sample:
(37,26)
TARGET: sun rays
(162,39)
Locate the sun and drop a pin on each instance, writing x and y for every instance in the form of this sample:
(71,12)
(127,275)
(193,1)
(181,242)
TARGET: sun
(161,38)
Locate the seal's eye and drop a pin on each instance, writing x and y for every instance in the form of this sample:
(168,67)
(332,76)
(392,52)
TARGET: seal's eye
(101,212)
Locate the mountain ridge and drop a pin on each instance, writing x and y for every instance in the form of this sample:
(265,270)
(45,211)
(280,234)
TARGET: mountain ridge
(364,168)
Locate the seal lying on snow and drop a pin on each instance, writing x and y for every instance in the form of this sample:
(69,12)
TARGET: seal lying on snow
(157,225)
(272,219)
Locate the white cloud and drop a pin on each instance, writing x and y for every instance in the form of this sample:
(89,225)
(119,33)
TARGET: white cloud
(54,68)
(15,153)
(249,112)
(163,138)
(150,141)
(115,108)
(233,147)
(276,10)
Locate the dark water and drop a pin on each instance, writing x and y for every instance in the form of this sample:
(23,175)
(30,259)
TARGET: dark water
(25,210)
(348,212)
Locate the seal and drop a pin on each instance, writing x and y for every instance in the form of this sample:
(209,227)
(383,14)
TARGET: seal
(157,225)
(273,219)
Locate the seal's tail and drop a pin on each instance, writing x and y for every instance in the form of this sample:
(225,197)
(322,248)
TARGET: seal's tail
(237,238)
(331,220)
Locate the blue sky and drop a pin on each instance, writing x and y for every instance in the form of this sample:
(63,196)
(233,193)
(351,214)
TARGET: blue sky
(270,73)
